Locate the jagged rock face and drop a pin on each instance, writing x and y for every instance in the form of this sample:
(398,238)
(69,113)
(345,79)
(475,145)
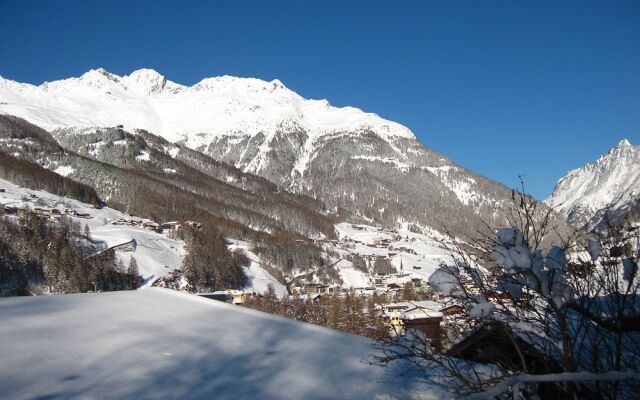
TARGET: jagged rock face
(381,179)
(345,157)
(608,187)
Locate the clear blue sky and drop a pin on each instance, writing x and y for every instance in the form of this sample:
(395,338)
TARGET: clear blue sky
(504,88)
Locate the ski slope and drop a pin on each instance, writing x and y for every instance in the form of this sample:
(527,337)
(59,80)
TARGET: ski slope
(162,344)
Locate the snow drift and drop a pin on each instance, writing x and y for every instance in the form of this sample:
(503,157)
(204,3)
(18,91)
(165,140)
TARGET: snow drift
(157,343)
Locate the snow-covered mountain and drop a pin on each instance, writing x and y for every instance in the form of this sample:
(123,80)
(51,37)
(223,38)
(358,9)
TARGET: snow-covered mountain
(351,160)
(221,106)
(610,185)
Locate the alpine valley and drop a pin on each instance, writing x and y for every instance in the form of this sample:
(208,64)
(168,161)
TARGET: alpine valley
(294,190)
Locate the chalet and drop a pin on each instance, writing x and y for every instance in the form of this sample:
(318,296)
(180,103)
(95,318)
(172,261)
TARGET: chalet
(365,291)
(316,288)
(227,296)
(313,297)
(393,286)
(19,211)
(453,309)
(391,281)
(193,224)
(150,226)
(172,226)
(380,281)
(379,243)
(420,317)
(494,342)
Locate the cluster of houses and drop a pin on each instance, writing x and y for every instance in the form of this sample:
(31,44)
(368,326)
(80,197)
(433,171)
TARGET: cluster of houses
(166,227)
(53,213)
(395,280)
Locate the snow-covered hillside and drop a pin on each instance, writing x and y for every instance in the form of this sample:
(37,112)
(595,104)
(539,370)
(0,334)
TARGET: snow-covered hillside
(416,254)
(157,343)
(257,278)
(155,253)
(611,183)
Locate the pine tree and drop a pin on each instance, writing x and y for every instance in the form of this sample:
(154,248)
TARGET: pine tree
(408,292)
(270,300)
(133,273)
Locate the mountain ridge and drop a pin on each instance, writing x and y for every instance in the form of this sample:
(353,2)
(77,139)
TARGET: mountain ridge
(344,157)
(149,83)
(609,185)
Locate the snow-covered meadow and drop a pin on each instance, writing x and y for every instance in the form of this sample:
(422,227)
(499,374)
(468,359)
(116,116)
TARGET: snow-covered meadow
(157,343)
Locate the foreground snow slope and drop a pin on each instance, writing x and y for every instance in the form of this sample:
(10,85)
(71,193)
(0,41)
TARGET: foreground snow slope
(157,343)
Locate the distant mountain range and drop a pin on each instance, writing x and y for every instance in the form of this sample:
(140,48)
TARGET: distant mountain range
(355,163)
(607,188)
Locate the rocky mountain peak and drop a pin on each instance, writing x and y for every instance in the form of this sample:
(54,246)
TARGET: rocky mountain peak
(610,185)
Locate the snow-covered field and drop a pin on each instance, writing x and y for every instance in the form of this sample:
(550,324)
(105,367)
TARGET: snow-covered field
(156,254)
(159,344)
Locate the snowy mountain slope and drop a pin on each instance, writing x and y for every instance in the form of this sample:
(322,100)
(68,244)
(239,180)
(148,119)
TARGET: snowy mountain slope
(416,254)
(610,184)
(257,277)
(138,172)
(155,253)
(213,107)
(349,159)
(157,343)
